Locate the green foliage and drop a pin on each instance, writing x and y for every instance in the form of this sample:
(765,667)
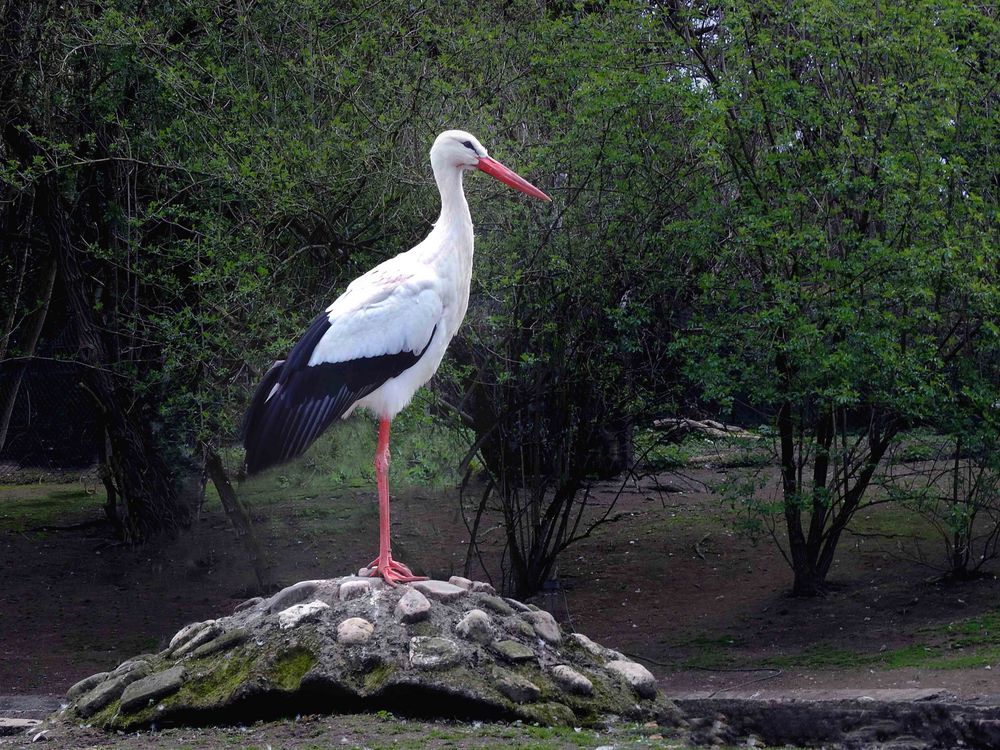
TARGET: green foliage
(785,209)
(853,286)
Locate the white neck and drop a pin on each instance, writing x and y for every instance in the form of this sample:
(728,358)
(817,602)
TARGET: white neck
(454,207)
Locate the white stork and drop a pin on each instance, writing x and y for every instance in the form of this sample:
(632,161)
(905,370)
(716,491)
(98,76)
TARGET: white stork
(381,340)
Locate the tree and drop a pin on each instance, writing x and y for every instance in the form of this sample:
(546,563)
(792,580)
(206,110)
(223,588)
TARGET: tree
(856,263)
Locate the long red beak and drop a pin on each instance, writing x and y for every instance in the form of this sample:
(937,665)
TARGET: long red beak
(508,176)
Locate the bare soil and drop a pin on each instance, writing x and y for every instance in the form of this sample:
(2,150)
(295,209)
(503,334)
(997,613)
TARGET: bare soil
(670,582)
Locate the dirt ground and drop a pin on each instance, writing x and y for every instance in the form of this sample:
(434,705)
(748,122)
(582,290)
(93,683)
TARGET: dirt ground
(671,583)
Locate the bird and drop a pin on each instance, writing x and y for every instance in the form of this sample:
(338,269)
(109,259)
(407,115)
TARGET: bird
(381,340)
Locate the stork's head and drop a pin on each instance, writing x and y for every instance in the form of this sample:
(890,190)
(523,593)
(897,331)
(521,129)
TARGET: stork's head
(460,150)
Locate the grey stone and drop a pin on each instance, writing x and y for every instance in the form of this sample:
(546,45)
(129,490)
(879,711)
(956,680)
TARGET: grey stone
(519,689)
(518,606)
(187,633)
(297,614)
(572,681)
(204,635)
(513,651)
(100,696)
(476,626)
(637,676)
(587,645)
(248,604)
(227,640)
(481,587)
(303,591)
(356,588)
(520,627)
(86,684)
(154,687)
(354,630)
(545,626)
(439,590)
(497,604)
(462,583)
(433,652)
(131,665)
(10,727)
(110,690)
(412,606)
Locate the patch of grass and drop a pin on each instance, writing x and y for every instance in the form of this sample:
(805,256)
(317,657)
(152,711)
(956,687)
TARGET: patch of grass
(970,643)
(922,445)
(25,506)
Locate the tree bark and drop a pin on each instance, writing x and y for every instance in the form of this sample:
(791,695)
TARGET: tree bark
(30,347)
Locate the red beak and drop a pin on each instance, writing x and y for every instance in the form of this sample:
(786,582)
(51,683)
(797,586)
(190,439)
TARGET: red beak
(508,176)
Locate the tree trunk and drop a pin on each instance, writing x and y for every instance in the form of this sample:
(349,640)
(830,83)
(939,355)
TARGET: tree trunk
(31,345)
(142,477)
(239,517)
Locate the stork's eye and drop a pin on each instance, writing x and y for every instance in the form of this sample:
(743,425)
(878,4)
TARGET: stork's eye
(468,145)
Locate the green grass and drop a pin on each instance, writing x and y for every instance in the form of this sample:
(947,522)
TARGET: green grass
(339,464)
(26,506)
(965,644)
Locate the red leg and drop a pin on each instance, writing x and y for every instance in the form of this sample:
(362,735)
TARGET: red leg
(392,572)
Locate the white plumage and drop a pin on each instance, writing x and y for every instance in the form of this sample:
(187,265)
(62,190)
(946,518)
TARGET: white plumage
(382,339)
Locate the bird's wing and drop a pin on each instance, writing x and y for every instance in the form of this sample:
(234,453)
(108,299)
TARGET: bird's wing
(378,328)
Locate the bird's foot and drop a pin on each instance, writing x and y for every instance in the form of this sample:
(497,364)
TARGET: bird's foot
(392,572)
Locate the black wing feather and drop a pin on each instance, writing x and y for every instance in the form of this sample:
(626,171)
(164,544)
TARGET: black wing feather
(295,403)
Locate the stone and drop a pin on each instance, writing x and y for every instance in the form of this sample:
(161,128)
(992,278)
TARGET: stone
(227,640)
(497,604)
(571,681)
(14,726)
(513,651)
(297,593)
(516,605)
(474,651)
(204,635)
(439,590)
(519,689)
(248,604)
(587,645)
(152,688)
(637,676)
(132,664)
(299,613)
(481,587)
(545,626)
(432,652)
(187,632)
(476,626)
(412,607)
(520,627)
(354,630)
(356,588)
(85,685)
(462,583)
(100,696)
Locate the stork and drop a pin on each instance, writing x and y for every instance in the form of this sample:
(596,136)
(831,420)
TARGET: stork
(379,341)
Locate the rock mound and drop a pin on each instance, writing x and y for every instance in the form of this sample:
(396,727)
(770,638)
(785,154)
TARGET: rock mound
(432,649)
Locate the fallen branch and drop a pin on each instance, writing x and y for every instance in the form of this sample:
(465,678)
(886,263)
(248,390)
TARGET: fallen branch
(707,427)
